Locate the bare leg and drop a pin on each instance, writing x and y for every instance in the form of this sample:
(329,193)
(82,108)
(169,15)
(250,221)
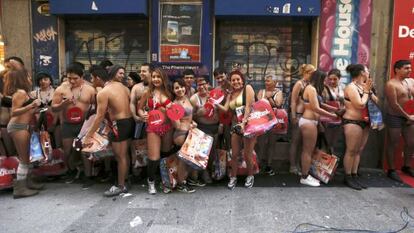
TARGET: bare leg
(309,136)
(8,142)
(248,148)
(294,144)
(408,134)
(235,150)
(67,150)
(357,158)
(121,152)
(353,136)
(393,141)
(21,139)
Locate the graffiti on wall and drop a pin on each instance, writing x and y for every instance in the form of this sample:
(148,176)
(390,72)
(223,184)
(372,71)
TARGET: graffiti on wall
(45,41)
(92,43)
(345,34)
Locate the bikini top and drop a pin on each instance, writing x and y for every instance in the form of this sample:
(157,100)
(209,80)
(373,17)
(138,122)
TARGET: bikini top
(333,96)
(29,101)
(188,111)
(320,98)
(302,89)
(155,105)
(238,101)
(360,94)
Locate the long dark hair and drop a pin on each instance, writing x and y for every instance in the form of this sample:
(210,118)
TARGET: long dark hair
(317,80)
(165,82)
(180,82)
(16,79)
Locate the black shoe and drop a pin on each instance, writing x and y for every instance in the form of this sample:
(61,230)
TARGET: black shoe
(393,175)
(87,183)
(407,170)
(184,188)
(269,171)
(194,182)
(106,176)
(357,180)
(72,176)
(350,182)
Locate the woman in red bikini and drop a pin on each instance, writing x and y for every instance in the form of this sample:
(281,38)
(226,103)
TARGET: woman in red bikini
(152,108)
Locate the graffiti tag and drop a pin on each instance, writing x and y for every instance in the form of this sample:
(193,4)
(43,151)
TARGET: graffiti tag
(46,34)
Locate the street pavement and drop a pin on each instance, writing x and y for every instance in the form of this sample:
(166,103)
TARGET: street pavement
(275,204)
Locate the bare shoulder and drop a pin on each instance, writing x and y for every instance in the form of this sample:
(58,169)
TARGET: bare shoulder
(90,89)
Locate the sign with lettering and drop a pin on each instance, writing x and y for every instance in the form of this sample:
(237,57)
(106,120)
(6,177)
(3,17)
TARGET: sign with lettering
(45,40)
(403,33)
(345,34)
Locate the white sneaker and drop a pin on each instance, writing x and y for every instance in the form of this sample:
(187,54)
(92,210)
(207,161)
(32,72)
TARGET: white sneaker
(151,187)
(313,178)
(249,182)
(295,171)
(232,183)
(310,181)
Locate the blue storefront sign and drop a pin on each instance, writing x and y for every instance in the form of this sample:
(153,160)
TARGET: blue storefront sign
(45,40)
(78,7)
(267,8)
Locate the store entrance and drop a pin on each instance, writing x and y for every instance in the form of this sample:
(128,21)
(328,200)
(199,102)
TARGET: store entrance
(262,47)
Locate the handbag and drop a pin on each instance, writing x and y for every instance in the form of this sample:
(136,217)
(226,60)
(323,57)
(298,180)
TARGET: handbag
(330,120)
(323,164)
(261,119)
(196,149)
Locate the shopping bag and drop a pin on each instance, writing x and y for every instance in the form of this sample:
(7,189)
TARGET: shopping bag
(8,170)
(331,120)
(282,122)
(219,164)
(261,119)
(53,167)
(375,115)
(242,164)
(169,171)
(323,164)
(196,149)
(46,144)
(139,153)
(36,153)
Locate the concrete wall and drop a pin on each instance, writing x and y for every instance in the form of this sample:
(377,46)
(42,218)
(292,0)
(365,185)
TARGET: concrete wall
(16,19)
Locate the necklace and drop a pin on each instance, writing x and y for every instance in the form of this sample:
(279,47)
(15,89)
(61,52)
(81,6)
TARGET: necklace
(44,100)
(79,94)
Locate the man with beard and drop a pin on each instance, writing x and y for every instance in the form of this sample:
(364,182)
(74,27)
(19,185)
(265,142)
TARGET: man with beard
(72,100)
(113,99)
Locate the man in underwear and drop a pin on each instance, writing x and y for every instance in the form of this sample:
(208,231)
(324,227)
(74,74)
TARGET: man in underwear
(113,99)
(207,124)
(398,91)
(72,100)
(188,77)
(139,89)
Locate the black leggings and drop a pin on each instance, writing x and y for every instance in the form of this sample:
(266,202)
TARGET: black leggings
(152,168)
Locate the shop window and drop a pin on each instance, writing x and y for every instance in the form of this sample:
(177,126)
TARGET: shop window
(124,42)
(260,47)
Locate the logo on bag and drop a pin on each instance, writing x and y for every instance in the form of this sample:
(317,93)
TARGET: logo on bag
(5,172)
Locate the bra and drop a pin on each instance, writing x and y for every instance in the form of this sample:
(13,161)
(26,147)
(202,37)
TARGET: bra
(157,105)
(237,102)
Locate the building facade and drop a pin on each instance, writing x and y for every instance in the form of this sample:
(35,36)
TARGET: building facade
(258,37)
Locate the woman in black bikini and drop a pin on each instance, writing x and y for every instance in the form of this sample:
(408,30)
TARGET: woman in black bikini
(18,86)
(181,129)
(356,128)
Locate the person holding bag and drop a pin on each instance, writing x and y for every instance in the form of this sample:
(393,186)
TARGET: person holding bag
(308,123)
(240,101)
(18,86)
(356,122)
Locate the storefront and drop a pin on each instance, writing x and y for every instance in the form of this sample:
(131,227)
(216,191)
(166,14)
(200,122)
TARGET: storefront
(264,37)
(97,30)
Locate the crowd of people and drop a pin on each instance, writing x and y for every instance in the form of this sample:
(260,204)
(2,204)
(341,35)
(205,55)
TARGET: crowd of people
(126,101)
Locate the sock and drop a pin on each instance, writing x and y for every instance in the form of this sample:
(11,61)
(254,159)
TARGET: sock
(152,169)
(305,176)
(22,171)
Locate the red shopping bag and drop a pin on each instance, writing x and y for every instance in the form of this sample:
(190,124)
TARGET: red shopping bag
(282,122)
(8,170)
(169,171)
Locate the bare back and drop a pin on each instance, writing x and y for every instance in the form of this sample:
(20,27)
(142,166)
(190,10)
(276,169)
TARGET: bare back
(117,96)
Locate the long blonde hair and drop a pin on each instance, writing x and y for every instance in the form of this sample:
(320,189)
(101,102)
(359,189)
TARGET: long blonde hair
(165,83)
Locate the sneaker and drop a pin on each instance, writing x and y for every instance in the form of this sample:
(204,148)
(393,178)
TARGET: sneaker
(166,190)
(407,170)
(295,171)
(232,183)
(249,182)
(194,182)
(151,187)
(350,182)
(87,183)
(393,175)
(310,181)
(115,191)
(269,171)
(357,179)
(184,188)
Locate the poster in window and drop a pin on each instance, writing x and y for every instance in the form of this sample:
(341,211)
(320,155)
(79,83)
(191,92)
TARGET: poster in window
(180,30)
